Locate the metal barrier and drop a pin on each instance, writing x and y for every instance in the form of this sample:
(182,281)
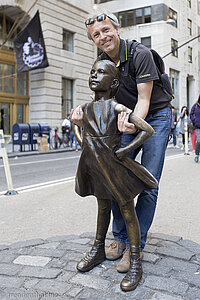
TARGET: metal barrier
(6,165)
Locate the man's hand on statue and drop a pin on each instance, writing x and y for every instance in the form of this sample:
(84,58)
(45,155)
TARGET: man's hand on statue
(124,125)
(77,116)
(119,153)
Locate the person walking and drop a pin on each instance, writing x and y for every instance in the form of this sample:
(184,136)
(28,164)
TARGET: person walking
(72,138)
(173,127)
(142,93)
(66,128)
(195,118)
(183,118)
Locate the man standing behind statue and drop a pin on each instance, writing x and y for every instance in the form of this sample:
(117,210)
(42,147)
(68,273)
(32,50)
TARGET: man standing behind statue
(149,102)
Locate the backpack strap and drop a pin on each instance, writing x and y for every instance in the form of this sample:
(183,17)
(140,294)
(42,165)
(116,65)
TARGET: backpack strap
(131,47)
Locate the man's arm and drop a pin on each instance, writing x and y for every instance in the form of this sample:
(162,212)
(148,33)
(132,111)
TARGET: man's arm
(141,108)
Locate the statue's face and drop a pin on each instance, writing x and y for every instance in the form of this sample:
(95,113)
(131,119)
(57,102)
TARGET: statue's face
(100,78)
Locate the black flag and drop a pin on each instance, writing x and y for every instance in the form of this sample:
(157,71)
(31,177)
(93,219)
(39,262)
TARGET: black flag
(30,48)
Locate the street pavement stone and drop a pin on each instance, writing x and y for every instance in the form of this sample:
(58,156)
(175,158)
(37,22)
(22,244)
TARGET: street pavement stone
(26,244)
(48,252)
(7,258)
(160,296)
(174,250)
(39,272)
(171,270)
(38,261)
(190,245)
(9,269)
(3,247)
(166,284)
(52,245)
(165,237)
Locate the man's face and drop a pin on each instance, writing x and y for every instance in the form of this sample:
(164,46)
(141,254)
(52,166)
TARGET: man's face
(105,36)
(100,78)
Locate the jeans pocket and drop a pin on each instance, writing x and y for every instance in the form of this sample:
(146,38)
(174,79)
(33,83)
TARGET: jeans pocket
(163,114)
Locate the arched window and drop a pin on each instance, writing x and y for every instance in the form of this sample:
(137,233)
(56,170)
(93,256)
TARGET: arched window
(14,95)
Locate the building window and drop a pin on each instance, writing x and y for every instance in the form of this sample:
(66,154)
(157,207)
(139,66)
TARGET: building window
(173,15)
(174,46)
(189,54)
(20,115)
(174,79)
(189,27)
(146,41)
(22,84)
(147,15)
(68,40)
(189,3)
(130,18)
(138,16)
(8,80)
(135,17)
(5,27)
(121,17)
(67,97)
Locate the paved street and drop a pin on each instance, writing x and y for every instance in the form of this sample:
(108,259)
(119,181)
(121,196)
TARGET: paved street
(38,169)
(45,230)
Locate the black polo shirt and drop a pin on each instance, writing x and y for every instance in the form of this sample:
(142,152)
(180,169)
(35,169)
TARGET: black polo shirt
(144,71)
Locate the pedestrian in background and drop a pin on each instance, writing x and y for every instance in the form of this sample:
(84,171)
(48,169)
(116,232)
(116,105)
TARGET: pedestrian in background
(72,138)
(173,127)
(195,118)
(193,134)
(66,127)
(183,118)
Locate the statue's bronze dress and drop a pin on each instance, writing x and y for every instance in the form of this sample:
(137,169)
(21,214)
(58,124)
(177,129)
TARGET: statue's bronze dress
(100,172)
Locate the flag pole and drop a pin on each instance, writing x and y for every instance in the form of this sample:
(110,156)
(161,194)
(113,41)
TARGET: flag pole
(14,28)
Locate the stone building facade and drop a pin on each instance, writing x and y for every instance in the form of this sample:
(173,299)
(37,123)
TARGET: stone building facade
(45,95)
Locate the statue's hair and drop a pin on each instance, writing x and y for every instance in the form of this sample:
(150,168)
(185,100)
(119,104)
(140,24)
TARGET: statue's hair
(114,20)
(114,72)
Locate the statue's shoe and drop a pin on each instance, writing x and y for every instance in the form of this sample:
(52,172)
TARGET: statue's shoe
(93,258)
(133,276)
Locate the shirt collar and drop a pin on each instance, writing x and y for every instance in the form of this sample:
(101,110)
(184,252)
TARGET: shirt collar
(123,52)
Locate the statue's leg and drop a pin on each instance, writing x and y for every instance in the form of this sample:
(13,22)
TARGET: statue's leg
(134,274)
(97,253)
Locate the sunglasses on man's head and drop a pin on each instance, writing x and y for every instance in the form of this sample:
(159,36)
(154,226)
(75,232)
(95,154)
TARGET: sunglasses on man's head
(98,18)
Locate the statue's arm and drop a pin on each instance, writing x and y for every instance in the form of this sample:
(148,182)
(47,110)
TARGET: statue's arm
(77,133)
(144,131)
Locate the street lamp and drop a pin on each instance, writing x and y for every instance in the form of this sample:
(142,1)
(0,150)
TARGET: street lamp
(170,21)
(196,37)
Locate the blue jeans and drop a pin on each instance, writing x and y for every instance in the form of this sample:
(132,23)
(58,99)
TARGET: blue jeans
(73,139)
(153,155)
(173,131)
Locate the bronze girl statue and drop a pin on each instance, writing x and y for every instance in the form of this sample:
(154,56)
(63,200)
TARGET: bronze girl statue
(106,172)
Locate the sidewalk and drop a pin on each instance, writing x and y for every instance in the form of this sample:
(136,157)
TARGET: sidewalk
(46,269)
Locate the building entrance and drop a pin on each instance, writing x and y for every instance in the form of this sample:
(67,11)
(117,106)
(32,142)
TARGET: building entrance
(5,118)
